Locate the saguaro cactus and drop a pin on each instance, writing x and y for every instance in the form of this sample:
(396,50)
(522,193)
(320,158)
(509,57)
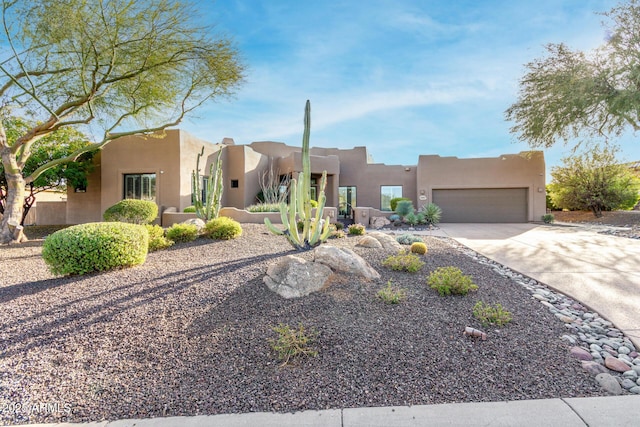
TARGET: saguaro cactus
(209,208)
(314,230)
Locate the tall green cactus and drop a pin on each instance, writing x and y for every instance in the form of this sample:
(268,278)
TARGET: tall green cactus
(314,230)
(209,208)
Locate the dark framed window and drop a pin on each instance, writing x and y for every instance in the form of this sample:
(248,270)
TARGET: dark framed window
(140,186)
(235,183)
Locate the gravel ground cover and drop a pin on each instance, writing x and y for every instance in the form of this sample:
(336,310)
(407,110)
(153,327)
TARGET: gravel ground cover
(622,223)
(186,334)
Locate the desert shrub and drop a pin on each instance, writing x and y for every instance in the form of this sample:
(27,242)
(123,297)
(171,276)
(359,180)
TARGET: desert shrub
(338,225)
(98,246)
(421,218)
(548,218)
(394,217)
(432,213)
(418,248)
(264,207)
(223,228)
(450,281)
(491,315)
(404,207)
(132,211)
(182,233)
(157,240)
(314,203)
(356,230)
(407,239)
(411,218)
(404,262)
(189,209)
(391,294)
(293,342)
(337,234)
(393,203)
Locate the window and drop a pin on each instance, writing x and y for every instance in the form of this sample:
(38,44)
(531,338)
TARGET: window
(140,186)
(235,183)
(346,201)
(388,192)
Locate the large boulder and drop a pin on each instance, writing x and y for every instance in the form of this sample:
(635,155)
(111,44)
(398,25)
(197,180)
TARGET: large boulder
(377,222)
(369,242)
(293,277)
(344,260)
(388,242)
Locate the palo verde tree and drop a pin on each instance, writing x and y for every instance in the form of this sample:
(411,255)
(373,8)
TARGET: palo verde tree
(121,66)
(56,145)
(572,94)
(595,181)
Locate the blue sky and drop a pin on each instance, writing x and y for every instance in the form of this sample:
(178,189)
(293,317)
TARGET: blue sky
(402,77)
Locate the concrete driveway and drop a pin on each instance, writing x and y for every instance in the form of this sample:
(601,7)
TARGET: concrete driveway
(600,271)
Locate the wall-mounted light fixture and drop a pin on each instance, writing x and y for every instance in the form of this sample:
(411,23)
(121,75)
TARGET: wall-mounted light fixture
(540,190)
(422,191)
(407,169)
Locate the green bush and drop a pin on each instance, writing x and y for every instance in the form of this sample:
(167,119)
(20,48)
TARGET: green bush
(407,239)
(157,240)
(411,219)
(338,234)
(491,315)
(98,246)
(338,225)
(404,208)
(393,203)
(418,248)
(394,217)
(293,342)
(222,228)
(181,233)
(189,209)
(356,230)
(391,294)
(431,213)
(264,207)
(314,203)
(132,211)
(403,261)
(450,281)
(548,218)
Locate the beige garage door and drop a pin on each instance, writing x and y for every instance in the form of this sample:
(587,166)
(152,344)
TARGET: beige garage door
(482,204)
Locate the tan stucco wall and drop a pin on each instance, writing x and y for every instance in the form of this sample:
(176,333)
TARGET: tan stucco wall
(86,207)
(524,170)
(50,213)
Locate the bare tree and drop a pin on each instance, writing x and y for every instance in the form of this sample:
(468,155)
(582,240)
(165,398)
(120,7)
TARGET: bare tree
(274,187)
(122,66)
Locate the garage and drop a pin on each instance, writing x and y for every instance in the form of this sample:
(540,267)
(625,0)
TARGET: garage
(482,204)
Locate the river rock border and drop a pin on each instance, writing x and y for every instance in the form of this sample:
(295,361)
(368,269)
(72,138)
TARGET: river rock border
(604,351)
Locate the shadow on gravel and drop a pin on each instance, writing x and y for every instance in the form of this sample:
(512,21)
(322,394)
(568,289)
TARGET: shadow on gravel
(29,333)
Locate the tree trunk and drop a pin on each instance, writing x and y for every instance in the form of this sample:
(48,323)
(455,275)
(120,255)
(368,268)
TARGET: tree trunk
(10,228)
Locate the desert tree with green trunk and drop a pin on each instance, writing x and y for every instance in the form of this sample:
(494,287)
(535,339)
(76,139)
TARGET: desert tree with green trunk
(574,95)
(594,181)
(117,67)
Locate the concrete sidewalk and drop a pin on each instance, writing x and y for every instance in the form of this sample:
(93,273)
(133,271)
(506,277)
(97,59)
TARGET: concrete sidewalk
(600,271)
(575,412)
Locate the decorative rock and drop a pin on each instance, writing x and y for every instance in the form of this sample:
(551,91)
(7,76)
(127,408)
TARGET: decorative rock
(580,353)
(294,277)
(609,383)
(636,361)
(369,242)
(593,368)
(344,260)
(623,350)
(377,222)
(564,318)
(636,369)
(635,390)
(632,375)
(570,339)
(627,384)
(615,364)
(195,221)
(595,347)
(387,241)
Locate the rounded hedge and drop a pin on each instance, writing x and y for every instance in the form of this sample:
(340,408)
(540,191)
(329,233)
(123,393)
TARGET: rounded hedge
(132,211)
(222,228)
(182,232)
(97,246)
